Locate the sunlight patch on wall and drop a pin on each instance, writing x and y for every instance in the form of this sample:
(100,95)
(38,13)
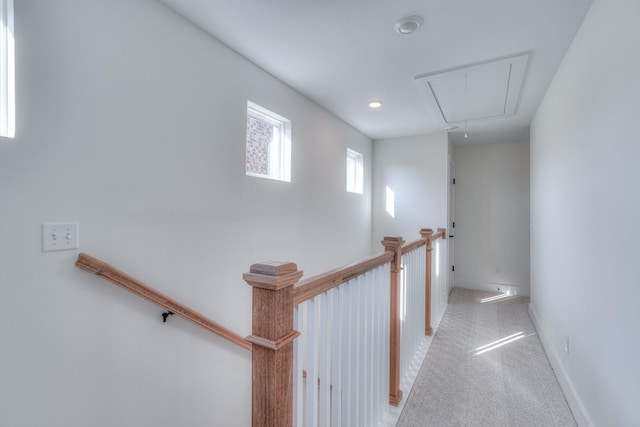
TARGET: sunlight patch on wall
(391,202)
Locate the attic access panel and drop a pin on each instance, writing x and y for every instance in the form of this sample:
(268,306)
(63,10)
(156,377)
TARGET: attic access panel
(476,92)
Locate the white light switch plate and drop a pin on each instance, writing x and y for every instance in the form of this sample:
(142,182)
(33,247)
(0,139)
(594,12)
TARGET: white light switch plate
(60,236)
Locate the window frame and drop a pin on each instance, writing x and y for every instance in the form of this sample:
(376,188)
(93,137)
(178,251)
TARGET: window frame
(279,150)
(7,70)
(355,174)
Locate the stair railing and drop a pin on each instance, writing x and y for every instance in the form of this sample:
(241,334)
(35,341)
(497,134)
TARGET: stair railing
(346,367)
(360,324)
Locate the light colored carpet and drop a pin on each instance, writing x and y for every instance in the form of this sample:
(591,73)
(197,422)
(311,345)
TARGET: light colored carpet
(486,367)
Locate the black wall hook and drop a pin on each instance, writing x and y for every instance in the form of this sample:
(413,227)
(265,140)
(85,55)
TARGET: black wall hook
(165,315)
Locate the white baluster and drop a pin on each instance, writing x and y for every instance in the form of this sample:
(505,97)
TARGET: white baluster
(336,355)
(311,384)
(361,350)
(367,350)
(347,354)
(382,299)
(297,370)
(324,355)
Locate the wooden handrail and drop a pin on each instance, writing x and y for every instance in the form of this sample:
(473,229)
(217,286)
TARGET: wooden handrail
(113,275)
(316,285)
(441,233)
(413,245)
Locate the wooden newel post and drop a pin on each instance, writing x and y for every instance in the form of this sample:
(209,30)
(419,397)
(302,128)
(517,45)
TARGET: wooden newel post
(394,244)
(426,233)
(272,338)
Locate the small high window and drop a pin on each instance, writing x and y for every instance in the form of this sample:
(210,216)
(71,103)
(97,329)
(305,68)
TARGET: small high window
(355,172)
(7,71)
(268,144)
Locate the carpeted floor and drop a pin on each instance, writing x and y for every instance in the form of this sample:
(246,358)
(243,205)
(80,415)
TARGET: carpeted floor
(486,367)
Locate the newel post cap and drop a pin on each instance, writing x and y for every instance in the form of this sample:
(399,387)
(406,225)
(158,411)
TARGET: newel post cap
(392,243)
(426,232)
(273,275)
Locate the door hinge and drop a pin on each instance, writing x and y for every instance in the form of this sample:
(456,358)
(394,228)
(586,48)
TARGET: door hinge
(454,224)
(453,268)
(454,181)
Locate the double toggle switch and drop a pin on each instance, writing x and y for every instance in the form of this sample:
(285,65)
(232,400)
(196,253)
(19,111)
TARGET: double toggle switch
(60,236)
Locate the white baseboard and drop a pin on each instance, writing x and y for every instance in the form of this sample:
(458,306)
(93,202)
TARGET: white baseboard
(573,398)
(492,287)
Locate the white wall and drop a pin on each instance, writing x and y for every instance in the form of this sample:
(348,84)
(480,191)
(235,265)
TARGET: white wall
(416,169)
(492,217)
(585,208)
(132,122)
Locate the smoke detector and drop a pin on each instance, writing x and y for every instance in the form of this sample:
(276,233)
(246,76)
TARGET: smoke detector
(409,24)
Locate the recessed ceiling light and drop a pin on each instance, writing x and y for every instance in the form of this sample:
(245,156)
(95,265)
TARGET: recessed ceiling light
(375,104)
(409,24)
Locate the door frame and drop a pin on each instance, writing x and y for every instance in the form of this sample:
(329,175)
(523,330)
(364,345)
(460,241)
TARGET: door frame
(451,231)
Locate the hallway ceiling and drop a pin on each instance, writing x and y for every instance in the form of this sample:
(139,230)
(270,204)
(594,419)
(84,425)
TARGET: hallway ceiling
(344,54)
